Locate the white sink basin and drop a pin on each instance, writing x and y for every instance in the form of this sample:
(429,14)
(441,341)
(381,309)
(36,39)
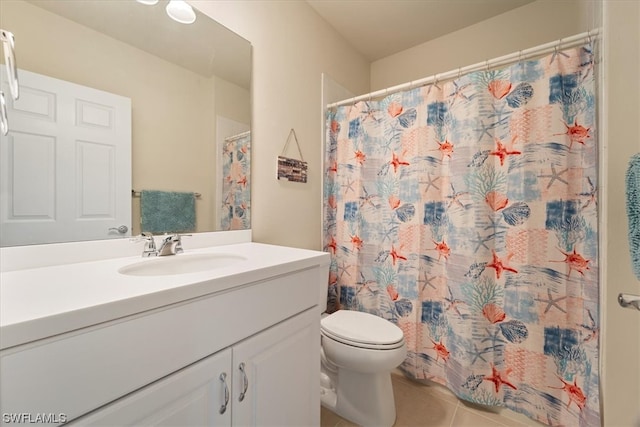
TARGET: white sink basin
(180,264)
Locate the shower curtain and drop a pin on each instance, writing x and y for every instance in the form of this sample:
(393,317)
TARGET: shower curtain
(235,213)
(466,213)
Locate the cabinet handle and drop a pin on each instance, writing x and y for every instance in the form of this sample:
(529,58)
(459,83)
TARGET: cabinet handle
(223,378)
(245,382)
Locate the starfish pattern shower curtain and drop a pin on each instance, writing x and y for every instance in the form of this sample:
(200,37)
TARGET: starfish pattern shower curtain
(466,213)
(235,213)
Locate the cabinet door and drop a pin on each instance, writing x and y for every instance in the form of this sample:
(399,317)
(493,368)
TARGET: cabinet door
(280,370)
(193,396)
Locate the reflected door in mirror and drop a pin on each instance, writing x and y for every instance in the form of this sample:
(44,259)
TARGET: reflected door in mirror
(66,161)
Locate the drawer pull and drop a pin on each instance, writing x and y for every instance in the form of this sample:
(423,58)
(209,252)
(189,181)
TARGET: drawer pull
(223,378)
(245,382)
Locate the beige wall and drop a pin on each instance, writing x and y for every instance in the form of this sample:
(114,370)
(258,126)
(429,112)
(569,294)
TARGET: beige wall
(527,26)
(231,101)
(292,47)
(173,109)
(621,131)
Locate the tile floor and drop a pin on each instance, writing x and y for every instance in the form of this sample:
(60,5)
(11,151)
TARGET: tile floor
(421,405)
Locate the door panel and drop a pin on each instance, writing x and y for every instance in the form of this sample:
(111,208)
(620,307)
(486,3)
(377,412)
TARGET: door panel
(33,195)
(95,180)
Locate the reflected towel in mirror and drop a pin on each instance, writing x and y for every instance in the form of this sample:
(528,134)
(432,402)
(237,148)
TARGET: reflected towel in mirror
(167,211)
(632,181)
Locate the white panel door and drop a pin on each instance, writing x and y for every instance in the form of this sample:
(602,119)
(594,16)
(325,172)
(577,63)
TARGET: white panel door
(66,163)
(280,373)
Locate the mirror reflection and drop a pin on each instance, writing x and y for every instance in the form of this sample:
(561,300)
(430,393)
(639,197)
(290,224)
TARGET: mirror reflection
(118,101)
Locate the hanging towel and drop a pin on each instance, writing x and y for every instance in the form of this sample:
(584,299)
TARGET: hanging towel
(633,211)
(167,211)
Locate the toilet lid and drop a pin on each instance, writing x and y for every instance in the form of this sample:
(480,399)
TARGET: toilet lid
(360,327)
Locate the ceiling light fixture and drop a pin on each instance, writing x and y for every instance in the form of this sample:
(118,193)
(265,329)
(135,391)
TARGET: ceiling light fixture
(148,2)
(180,11)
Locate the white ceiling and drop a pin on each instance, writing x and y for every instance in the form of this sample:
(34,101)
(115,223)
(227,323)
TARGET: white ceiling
(379,28)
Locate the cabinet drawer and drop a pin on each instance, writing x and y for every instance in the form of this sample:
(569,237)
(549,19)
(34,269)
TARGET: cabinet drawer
(77,372)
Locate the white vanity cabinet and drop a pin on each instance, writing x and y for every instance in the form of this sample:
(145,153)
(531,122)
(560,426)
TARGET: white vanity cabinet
(262,381)
(161,363)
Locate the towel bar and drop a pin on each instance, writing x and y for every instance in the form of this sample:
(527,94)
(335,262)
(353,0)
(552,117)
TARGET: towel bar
(135,193)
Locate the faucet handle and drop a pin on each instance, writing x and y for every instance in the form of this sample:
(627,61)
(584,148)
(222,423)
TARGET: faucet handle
(140,237)
(149,245)
(170,238)
(179,248)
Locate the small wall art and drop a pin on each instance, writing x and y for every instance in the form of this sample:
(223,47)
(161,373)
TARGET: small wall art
(294,170)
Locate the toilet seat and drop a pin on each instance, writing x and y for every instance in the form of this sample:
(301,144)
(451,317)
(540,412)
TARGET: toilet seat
(363,330)
(397,345)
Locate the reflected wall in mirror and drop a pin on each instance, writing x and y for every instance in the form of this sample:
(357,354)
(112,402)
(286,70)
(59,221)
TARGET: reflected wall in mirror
(189,93)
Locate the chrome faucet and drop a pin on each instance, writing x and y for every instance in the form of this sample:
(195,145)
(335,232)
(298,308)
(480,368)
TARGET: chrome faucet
(171,245)
(149,245)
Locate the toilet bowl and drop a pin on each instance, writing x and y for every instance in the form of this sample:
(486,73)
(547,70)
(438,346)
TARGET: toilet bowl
(359,351)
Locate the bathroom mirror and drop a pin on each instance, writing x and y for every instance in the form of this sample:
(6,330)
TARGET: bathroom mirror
(189,92)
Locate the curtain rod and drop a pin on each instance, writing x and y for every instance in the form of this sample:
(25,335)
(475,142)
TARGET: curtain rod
(240,135)
(502,60)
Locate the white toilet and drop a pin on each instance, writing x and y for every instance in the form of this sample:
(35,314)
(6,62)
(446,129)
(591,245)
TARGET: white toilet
(359,351)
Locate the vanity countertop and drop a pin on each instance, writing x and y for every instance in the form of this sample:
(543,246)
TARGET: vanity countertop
(41,302)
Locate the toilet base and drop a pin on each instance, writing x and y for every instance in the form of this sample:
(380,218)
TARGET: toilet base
(365,399)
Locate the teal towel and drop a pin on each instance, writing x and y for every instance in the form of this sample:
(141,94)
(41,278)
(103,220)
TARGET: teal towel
(633,211)
(167,211)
